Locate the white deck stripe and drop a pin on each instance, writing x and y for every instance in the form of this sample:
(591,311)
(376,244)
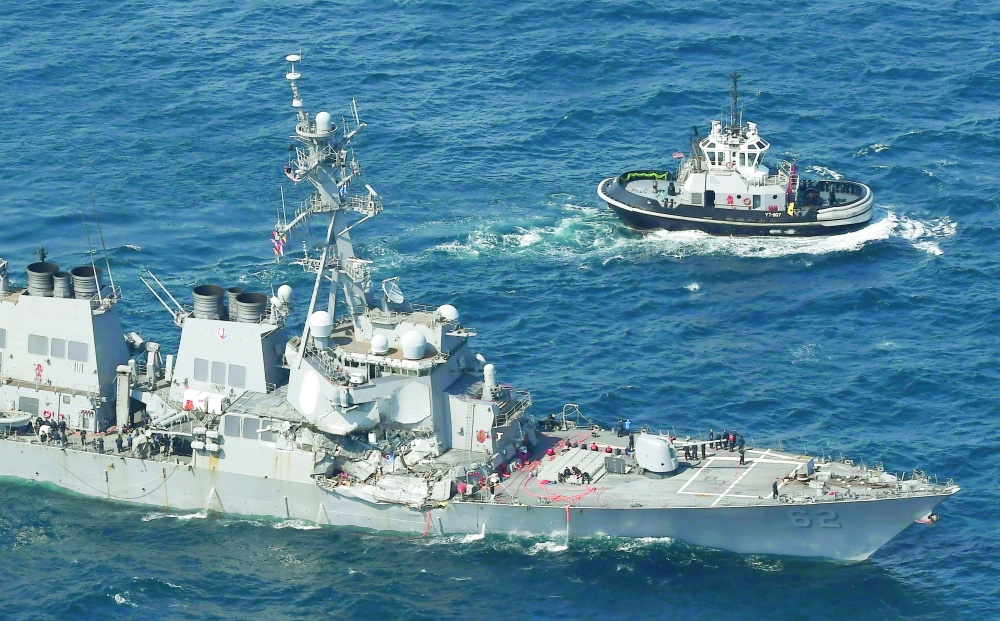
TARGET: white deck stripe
(740,478)
(695,475)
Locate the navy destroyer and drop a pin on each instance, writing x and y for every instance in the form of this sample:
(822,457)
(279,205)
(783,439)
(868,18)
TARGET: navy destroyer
(725,187)
(379,414)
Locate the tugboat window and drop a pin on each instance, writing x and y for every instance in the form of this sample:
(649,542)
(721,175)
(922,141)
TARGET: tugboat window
(711,156)
(743,159)
(3,338)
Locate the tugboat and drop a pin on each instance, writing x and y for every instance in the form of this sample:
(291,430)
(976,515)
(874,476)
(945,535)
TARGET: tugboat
(725,188)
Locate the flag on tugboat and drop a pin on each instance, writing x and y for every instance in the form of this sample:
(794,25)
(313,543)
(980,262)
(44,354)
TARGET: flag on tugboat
(677,155)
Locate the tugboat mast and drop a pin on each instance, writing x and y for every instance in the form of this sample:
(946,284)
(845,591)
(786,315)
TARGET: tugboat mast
(736,99)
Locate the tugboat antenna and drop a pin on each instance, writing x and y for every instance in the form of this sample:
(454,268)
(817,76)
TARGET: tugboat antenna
(736,97)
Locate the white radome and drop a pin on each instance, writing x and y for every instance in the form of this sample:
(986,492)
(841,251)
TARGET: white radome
(380,345)
(323,122)
(448,312)
(321,324)
(413,344)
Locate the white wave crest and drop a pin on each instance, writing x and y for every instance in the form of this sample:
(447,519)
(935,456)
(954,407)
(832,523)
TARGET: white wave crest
(631,545)
(297,525)
(121,600)
(922,235)
(547,546)
(149,517)
(474,536)
(822,170)
(693,287)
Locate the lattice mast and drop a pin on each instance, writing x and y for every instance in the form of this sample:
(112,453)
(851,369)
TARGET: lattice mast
(321,158)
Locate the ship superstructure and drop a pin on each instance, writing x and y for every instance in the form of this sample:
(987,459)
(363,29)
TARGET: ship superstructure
(380,415)
(725,187)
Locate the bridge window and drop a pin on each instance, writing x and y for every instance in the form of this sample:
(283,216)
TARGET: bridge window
(250,426)
(218,372)
(78,351)
(237,376)
(267,436)
(38,345)
(3,338)
(201,369)
(743,159)
(58,348)
(711,156)
(231,427)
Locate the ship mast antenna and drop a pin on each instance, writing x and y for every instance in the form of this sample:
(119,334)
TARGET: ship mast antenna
(90,251)
(107,262)
(736,98)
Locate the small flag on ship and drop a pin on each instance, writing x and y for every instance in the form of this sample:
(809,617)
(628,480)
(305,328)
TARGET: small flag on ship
(678,155)
(278,241)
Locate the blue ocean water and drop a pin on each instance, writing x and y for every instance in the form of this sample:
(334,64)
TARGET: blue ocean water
(489,129)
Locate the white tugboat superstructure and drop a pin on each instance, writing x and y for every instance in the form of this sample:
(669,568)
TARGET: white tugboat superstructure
(725,188)
(381,416)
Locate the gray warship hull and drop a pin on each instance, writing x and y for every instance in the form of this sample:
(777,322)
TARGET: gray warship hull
(858,528)
(380,415)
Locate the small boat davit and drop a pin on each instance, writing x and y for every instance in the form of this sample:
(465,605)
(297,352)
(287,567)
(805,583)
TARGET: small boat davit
(724,187)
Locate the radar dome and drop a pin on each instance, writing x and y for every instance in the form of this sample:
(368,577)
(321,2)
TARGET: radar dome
(380,345)
(284,293)
(413,344)
(323,122)
(448,312)
(321,324)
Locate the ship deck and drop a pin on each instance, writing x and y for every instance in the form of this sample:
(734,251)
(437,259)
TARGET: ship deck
(718,480)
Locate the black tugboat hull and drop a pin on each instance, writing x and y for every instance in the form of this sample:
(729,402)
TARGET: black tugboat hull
(641,213)
(647,221)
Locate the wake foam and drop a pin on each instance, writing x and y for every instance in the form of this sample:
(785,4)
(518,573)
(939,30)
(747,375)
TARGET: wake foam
(297,525)
(589,233)
(547,546)
(201,515)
